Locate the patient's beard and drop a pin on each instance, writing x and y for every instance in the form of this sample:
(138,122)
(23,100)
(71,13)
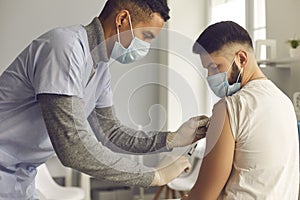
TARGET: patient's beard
(234,74)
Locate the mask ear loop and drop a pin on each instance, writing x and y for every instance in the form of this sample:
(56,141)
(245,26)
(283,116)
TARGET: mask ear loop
(118,33)
(237,80)
(230,65)
(131,28)
(241,71)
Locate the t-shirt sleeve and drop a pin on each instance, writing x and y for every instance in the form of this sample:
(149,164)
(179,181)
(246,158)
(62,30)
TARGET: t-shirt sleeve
(238,116)
(59,64)
(232,109)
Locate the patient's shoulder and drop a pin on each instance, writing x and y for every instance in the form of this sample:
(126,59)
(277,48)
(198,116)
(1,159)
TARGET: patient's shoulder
(217,120)
(220,107)
(219,124)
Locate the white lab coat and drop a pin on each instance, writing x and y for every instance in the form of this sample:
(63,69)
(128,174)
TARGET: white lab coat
(58,62)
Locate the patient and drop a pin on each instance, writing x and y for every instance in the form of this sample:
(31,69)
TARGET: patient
(252,149)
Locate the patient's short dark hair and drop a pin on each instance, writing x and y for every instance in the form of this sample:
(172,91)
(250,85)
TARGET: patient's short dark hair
(214,37)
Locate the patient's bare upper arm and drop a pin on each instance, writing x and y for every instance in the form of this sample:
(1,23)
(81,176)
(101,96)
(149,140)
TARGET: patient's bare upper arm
(217,163)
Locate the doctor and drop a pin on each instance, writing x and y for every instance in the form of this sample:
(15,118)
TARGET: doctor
(56,97)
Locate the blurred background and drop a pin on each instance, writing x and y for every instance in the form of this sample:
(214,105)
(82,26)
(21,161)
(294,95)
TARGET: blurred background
(168,86)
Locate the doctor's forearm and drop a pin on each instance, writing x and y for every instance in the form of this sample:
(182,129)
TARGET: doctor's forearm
(77,147)
(122,138)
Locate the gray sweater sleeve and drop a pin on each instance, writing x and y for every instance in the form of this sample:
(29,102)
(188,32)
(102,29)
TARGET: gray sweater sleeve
(78,148)
(120,138)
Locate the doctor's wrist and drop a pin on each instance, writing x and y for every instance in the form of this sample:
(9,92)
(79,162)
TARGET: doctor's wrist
(170,140)
(156,180)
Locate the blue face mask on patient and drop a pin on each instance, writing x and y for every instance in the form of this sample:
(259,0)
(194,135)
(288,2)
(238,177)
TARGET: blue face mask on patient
(218,83)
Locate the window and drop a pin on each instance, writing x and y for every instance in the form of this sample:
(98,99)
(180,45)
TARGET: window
(259,19)
(250,14)
(223,10)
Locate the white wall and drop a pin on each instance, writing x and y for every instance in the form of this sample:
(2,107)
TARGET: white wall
(190,96)
(23,21)
(282,23)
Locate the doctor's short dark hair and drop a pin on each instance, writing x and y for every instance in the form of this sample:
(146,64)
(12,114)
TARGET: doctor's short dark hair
(140,10)
(217,35)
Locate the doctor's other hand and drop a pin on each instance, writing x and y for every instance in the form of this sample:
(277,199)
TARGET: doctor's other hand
(189,132)
(170,168)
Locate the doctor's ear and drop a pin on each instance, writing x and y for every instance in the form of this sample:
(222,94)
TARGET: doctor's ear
(122,18)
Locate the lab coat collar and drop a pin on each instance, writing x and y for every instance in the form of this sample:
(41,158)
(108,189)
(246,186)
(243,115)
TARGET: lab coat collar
(96,41)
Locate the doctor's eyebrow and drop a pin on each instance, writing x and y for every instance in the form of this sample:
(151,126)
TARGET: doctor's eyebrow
(211,65)
(148,35)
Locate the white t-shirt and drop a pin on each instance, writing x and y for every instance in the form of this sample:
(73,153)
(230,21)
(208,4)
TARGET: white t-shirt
(266,157)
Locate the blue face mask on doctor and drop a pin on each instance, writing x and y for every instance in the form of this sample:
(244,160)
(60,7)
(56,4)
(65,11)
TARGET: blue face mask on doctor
(135,51)
(219,83)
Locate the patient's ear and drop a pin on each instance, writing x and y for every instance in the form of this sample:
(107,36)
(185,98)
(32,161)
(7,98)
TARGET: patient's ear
(242,58)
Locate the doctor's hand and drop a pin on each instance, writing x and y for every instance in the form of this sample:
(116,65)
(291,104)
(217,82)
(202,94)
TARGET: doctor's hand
(170,168)
(189,132)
